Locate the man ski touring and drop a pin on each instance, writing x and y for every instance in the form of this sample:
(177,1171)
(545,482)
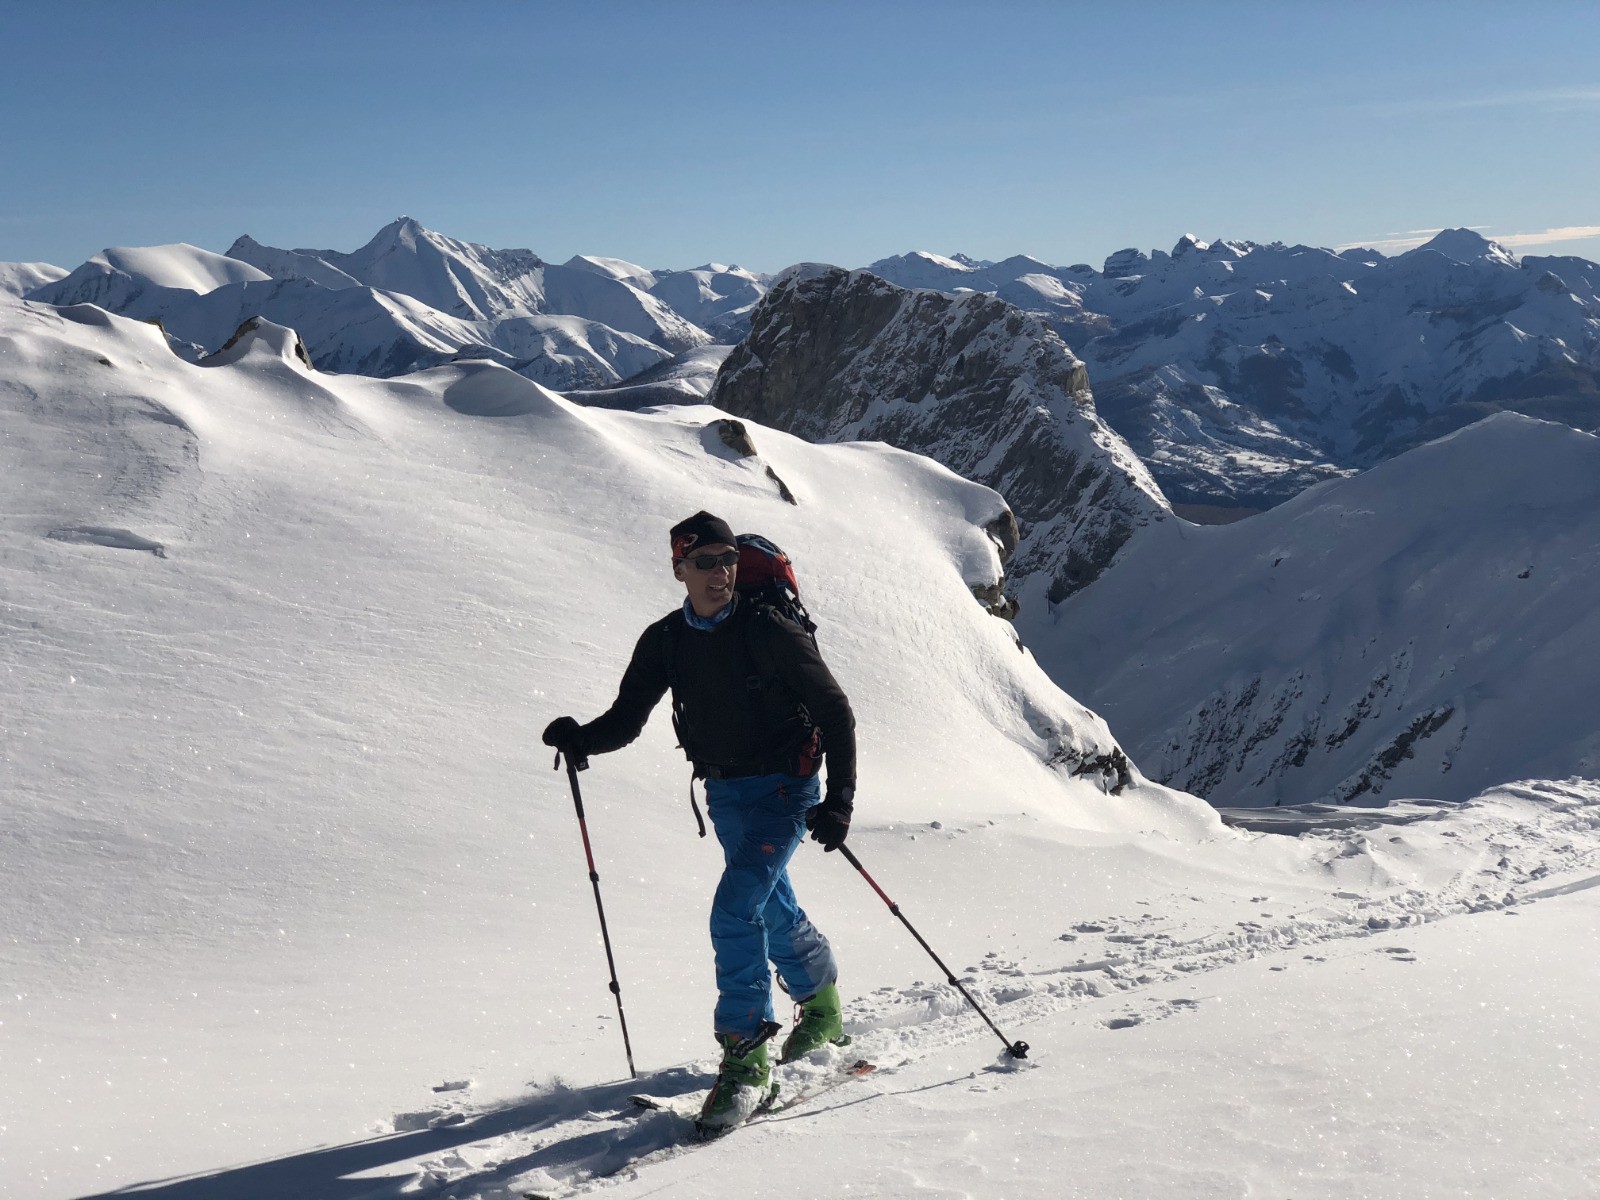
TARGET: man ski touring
(755,708)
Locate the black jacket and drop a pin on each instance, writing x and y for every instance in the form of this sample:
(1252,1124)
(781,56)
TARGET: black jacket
(747,694)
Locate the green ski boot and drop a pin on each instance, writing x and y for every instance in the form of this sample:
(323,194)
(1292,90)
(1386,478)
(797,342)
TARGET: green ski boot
(744,1084)
(821,1023)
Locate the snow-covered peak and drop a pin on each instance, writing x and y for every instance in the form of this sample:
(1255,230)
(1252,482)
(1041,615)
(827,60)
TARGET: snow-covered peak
(1467,246)
(801,271)
(122,277)
(1123,263)
(179,266)
(1014,267)
(461,278)
(290,264)
(715,297)
(920,269)
(1244,371)
(614,268)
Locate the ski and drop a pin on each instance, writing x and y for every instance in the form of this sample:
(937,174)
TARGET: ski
(689,1108)
(821,1088)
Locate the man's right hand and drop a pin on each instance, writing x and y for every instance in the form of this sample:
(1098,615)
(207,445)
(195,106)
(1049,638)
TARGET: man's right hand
(829,821)
(566,735)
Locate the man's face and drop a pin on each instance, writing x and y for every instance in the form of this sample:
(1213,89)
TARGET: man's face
(709,590)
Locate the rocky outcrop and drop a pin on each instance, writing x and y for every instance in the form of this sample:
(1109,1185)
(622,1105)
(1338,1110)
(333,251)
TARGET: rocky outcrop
(970,381)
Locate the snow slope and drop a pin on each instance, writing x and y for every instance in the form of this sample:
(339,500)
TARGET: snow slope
(279,646)
(1425,628)
(283,854)
(1366,1068)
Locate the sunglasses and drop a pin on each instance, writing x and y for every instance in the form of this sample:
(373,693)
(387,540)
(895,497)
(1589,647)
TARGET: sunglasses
(710,562)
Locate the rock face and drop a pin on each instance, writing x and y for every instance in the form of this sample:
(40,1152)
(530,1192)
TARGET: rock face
(971,381)
(1244,373)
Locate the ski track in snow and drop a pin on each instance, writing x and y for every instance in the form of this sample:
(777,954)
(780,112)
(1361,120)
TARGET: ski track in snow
(563,1142)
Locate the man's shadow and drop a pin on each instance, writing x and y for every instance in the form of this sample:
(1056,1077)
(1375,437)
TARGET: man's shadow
(606,1134)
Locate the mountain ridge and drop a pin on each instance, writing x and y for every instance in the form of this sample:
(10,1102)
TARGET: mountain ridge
(970,381)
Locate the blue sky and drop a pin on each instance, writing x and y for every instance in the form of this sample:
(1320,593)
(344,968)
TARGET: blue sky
(672,133)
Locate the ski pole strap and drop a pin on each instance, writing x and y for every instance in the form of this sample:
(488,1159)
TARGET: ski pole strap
(695,804)
(580,761)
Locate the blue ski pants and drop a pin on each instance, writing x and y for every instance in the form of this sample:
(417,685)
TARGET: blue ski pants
(760,820)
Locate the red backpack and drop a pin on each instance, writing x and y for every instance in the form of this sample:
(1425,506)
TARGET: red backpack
(766,576)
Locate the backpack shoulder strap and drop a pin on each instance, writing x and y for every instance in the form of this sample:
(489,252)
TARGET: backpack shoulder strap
(671,632)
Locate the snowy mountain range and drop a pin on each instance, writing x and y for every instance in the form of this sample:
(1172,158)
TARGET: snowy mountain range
(412,298)
(1243,373)
(1240,373)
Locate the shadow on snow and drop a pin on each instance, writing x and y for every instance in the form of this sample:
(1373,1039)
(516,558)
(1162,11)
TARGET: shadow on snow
(604,1133)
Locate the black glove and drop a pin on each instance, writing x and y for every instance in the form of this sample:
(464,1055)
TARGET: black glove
(829,821)
(566,735)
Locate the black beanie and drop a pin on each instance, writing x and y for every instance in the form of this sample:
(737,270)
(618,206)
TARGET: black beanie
(702,529)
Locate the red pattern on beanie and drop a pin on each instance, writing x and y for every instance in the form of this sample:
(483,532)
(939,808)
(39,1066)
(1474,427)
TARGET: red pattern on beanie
(702,529)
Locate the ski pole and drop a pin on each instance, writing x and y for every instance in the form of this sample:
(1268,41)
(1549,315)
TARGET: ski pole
(1013,1049)
(574,765)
